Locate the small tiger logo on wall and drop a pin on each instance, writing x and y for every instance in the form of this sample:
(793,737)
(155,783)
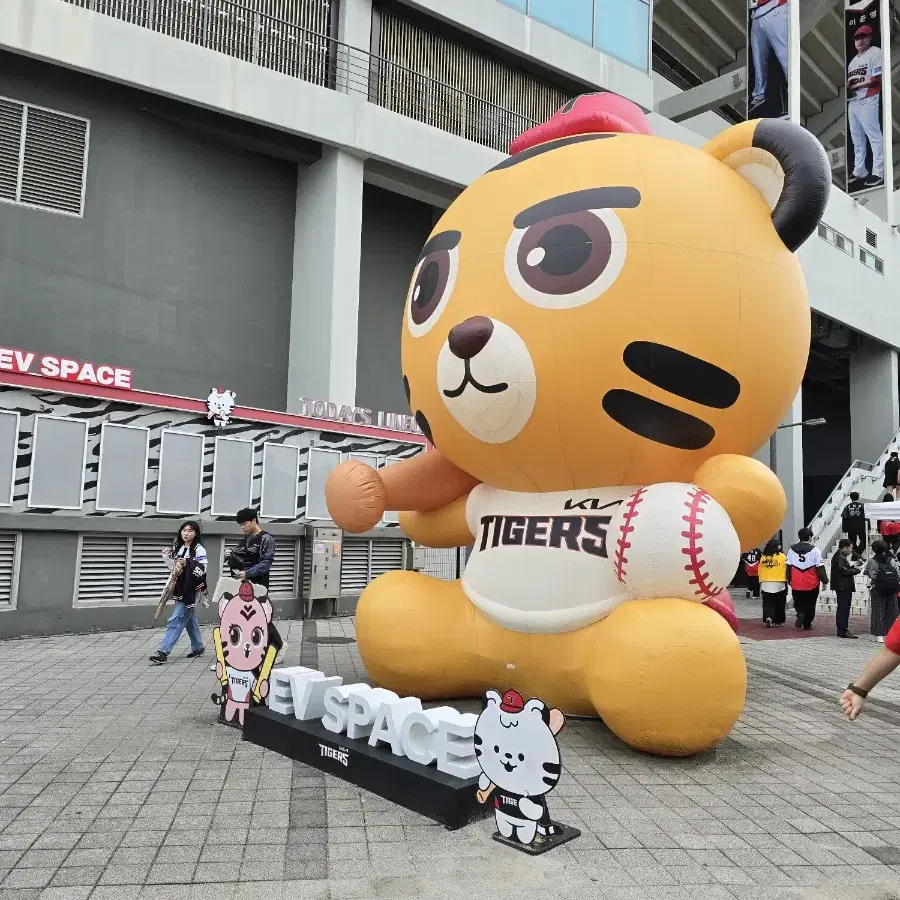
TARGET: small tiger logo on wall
(220,405)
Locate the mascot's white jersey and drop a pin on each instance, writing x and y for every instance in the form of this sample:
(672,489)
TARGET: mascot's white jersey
(240,684)
(540,562)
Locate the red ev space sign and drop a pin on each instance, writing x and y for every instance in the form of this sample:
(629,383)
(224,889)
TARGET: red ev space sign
(61,368)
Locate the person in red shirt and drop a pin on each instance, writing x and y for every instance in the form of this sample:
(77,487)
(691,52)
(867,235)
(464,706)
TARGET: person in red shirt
(877,669)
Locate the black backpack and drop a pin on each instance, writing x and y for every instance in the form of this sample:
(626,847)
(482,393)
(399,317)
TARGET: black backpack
(887,581)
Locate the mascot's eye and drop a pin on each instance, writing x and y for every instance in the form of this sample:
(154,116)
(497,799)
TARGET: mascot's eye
(256,636)
(496,749)
(521,757)
(234,634)
(568,260)
(432,285)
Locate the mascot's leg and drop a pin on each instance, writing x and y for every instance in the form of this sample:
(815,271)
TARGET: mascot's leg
(414,638)
(422,637)
(666,676)
(504,825)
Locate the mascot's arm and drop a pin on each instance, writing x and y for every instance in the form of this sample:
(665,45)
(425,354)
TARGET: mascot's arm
(358,496)
(445,527)
(750,493)
(530,809)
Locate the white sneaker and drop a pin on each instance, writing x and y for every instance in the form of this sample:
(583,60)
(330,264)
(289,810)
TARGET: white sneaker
(880,639)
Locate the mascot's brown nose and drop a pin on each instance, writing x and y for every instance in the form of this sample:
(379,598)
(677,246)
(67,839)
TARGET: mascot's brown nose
(469,338)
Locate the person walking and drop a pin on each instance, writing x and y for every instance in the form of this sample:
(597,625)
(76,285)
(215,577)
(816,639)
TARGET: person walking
(773,584)
(843,581)
(889,529)
(892,476)
(187,557)
(884,577)
(877,669)
(805,573)
(855,524)
(751,571)
(252,559)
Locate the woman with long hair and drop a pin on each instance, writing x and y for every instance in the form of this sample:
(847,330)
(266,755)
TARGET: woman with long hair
(187,558)
(884,577)
(773,584)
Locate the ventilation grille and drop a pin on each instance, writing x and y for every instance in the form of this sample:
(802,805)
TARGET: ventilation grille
(307,572)
(871,239)
(48,170)
(101,569)
(11,115)
(354,565)
(9,544)
(387,556)
(147,573)
(283,574)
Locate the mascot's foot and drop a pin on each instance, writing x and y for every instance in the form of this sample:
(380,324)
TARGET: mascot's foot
(666,676)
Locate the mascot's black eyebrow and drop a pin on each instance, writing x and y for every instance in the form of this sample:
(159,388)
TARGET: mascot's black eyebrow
(446,240)
(578,201)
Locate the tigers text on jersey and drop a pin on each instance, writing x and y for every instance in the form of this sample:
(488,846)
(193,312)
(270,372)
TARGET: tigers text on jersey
(240,684)
(804,560)
(864,65)
(540,562)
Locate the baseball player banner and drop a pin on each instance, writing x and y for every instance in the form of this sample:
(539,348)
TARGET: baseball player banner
(768,50)
(865,110)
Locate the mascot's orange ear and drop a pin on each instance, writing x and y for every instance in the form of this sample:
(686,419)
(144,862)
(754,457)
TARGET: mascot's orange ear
(787,165)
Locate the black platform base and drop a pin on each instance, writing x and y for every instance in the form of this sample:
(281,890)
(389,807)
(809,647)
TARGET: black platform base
(541,843)
(442,798)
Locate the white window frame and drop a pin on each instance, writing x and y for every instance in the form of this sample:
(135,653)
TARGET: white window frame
(146,431)
(390,518)
(12,474)
(262,492)
(34,439)
(14,583)
(309,452)
(212,499)
(87,148)
(162,447)
(370,459)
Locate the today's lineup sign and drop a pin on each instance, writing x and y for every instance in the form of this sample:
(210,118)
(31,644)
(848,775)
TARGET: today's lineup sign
(443,736)
(62,368)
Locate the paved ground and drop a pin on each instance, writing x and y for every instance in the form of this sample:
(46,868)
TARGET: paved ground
(116,783)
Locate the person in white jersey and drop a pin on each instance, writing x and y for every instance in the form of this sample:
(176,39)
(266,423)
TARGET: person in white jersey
(769,28)
(864,108)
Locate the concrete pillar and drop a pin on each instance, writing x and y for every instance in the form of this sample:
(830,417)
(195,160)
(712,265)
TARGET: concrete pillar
(789,468)
(355,32)
(325,291)
(794,92)
(874,400)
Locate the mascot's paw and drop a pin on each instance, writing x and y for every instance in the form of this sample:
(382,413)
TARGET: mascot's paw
(666,676)
(355,496)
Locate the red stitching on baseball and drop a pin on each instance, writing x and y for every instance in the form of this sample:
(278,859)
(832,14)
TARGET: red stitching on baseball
(622,542)
(697,499)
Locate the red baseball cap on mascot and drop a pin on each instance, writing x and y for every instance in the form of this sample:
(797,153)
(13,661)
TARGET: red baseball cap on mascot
(512,702)
(587,114)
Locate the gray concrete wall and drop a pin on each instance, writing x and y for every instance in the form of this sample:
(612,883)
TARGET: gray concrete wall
(393,231)
(183,257)
(874,402)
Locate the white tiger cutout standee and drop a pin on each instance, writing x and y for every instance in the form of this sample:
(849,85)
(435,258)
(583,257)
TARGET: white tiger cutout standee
(515,744)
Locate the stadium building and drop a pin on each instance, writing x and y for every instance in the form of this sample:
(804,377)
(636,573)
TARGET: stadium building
(231,195)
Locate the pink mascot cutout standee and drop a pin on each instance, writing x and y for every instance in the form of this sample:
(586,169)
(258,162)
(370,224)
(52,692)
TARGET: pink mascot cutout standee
(244,658)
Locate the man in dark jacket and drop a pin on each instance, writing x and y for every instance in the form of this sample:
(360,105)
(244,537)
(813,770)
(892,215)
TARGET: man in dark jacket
(854,524)
(843,576)
(252,559)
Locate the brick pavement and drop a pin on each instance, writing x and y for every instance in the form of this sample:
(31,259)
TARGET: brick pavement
(116,783)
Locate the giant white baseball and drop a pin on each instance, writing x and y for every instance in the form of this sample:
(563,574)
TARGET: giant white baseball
(673,540)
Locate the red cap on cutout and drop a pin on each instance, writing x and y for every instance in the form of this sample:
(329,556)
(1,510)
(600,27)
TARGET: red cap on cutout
(512,702)
(601,113)
(246,591)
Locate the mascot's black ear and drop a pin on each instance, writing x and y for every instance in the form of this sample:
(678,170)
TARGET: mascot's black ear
(787,165)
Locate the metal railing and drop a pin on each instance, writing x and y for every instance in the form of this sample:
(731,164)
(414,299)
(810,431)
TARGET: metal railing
(232,28)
